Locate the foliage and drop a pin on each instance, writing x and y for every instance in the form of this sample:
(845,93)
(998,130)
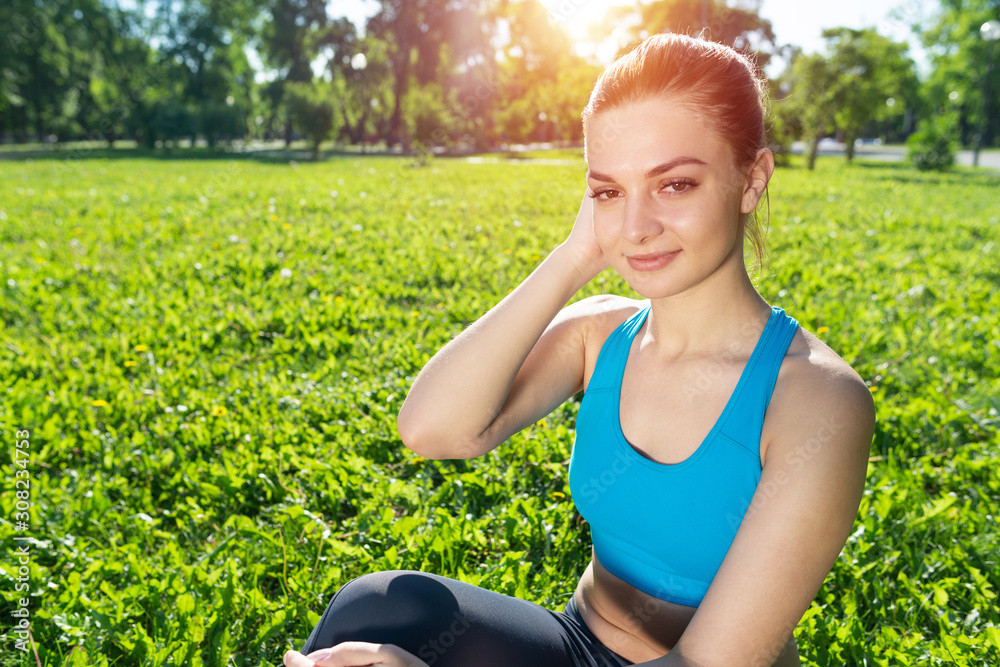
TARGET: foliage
(210,356)
(964,64)
(429,120)
(809,105)
(870,70)
(738,25)
(314,110)
(933,145)
(846,88)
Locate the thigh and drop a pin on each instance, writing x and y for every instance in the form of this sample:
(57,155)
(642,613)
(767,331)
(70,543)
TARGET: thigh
(448,623)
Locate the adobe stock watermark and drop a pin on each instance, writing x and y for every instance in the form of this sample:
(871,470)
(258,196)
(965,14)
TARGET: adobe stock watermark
(638,619)
(20,555)
(480,92)
(732,355)
(593,488)
(435,648)
(566,9)
(798,458)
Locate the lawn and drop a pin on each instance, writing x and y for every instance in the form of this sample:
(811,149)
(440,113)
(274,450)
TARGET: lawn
(204,359)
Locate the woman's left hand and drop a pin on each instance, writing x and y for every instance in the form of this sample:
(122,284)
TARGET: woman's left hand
(355,654)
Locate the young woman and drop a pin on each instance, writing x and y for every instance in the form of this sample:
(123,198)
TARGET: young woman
(721,449)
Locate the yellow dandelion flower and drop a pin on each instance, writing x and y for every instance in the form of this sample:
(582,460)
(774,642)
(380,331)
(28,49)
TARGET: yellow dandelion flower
(219,411)
(418,459)
(141,348)
(99,403)
(286,225)
(873,389)
(78,230)
(558,495)
(822,330)
(39,260)
(129,364)
(414,313)
(340,299)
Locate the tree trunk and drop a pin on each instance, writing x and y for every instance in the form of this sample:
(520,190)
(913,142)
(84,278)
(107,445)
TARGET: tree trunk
(813,152)
(401,70)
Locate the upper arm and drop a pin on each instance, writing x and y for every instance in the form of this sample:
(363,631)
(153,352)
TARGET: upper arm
(553,371)
(795,527)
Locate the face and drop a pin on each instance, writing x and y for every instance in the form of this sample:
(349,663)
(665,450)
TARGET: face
(668,197)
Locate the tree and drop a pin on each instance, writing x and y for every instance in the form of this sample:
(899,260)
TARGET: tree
(543,85)
(846,89)
(963,79)
(446,42)
(869,70)
(36,72)
(313,109)
(811,82)
(739,27)
(291,41)
(359,70)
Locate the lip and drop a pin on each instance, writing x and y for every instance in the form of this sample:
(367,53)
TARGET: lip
(651,261)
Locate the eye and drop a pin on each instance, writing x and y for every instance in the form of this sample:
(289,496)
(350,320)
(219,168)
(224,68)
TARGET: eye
(678,186)
(605,194)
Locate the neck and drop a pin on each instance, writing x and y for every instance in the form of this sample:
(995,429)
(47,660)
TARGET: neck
(721,312)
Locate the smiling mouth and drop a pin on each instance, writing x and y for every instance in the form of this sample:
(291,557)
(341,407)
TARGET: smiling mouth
(651,262)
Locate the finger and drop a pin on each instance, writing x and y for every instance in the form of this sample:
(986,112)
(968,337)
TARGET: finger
(353,654)
(296,659)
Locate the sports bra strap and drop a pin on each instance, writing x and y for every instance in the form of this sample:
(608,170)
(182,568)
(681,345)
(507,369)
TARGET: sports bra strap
(614,352)
(754,396)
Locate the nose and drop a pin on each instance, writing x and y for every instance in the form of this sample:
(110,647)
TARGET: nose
(640,223)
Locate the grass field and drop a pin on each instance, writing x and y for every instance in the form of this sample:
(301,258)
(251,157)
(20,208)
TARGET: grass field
(208,356)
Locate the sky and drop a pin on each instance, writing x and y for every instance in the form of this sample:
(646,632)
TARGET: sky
(798,22)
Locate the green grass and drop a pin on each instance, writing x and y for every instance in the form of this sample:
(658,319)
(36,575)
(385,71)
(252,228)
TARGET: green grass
(212,444)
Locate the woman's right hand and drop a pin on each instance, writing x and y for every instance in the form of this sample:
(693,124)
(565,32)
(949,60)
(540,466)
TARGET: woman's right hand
(582,242)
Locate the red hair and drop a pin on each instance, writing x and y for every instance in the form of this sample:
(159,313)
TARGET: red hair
(716,80)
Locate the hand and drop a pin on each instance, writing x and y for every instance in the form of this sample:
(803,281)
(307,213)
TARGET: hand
(354,654)
(583,243)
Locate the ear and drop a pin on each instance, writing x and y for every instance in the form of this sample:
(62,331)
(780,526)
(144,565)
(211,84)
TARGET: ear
(757,179)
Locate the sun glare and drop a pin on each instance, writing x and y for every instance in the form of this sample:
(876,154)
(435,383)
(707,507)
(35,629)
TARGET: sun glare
(577,17)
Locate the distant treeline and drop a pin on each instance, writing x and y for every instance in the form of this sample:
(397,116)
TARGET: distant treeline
(443,72)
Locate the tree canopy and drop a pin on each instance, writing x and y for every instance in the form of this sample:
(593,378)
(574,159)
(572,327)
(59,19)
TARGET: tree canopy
(438,72)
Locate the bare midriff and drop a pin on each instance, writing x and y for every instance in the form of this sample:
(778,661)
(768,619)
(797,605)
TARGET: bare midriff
(633,624)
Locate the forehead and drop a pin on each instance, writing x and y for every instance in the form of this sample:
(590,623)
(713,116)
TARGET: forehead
(640,135)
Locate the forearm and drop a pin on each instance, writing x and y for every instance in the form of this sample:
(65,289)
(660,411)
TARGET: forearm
(461,390)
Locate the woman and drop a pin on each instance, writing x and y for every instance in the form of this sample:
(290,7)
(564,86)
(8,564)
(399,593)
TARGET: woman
(721,449)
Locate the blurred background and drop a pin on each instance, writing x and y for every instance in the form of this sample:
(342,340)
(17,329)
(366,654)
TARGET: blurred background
(403,75)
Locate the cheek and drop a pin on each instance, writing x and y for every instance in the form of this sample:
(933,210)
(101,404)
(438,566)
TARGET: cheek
(605,229)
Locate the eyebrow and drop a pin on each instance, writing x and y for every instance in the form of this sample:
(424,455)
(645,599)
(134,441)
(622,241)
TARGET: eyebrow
(655,171)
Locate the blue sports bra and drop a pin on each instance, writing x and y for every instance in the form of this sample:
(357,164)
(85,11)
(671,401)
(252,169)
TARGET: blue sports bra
(665,528)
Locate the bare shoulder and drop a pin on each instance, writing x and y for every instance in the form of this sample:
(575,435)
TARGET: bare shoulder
(596,317)
(818,394)
(601,314)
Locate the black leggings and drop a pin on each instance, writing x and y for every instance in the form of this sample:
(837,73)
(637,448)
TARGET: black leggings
(448,623)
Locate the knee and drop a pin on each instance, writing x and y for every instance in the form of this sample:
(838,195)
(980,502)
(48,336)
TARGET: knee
(405,596)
